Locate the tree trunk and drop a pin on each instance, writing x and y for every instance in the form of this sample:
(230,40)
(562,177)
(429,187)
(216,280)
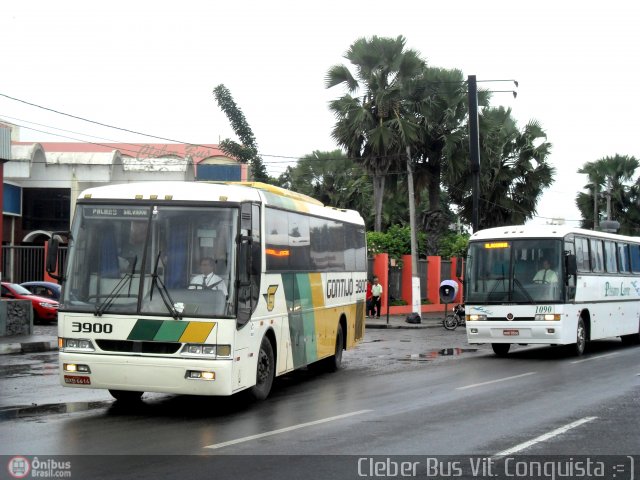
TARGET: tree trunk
(378,194)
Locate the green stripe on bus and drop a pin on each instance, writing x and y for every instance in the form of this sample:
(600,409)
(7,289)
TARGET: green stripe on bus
(301,330)
(170,331)
(145,329)
(308,317)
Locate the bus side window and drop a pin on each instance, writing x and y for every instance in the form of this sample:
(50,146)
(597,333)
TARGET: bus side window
(623,257)
(597,257)
(635,258)
(582,254)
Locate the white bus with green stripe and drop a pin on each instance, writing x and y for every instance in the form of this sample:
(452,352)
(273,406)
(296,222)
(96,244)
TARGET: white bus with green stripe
(131,320)
(553,285)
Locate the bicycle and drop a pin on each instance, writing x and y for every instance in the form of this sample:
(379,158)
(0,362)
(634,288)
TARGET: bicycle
(457,318)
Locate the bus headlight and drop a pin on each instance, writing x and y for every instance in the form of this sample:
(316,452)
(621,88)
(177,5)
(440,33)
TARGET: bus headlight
(476,317)
(548,317)
(203,350)
(75,345)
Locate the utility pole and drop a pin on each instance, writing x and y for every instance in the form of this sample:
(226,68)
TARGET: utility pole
(474,148)
(415,279)
(595,205)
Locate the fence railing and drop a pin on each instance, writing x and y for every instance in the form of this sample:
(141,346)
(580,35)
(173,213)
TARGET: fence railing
(25,263)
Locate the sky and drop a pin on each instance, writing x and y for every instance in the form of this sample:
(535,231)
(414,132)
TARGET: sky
(151,67)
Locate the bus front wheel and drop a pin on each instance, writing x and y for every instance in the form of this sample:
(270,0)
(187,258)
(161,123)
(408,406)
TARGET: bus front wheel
(501,349)
(265,371)
(580,346)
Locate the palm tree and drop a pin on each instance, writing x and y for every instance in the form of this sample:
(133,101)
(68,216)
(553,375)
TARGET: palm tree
(332,178)
(440,101)
(247,152)
(376,126)
(514,171)
(610,177)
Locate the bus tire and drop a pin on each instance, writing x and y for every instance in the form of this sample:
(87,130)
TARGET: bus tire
(334,362)
(126,396)
(265,371)
(580,346)
(501,349)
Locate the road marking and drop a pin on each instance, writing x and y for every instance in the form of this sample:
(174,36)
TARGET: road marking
(546,436)
(287,429)
(495,381)
(595,358)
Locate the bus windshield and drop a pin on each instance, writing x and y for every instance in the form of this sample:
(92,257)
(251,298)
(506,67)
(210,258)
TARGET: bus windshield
(155,259)
(514,271)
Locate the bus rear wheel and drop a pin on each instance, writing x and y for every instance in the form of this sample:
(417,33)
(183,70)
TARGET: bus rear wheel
(265,371)
(126,396)
(501,349)
(334,362)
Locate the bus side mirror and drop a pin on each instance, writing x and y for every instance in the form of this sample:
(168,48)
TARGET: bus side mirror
(52,258)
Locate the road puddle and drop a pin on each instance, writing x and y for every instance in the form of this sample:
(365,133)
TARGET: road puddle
(444,352)
(50,409)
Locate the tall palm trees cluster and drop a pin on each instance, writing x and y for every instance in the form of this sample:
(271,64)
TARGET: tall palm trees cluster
(394,100)
(613,193)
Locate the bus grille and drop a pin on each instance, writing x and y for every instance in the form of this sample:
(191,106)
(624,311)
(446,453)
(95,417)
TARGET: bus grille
(131,346)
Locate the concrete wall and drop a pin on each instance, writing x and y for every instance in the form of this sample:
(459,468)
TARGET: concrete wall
(16,318)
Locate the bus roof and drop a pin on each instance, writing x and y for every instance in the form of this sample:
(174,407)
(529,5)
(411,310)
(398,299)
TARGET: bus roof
(219,192)
(543,231)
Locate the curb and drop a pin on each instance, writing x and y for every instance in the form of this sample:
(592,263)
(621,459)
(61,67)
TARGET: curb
(28,347)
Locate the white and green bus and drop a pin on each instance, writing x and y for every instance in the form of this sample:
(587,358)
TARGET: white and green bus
(553,285)
(289,289)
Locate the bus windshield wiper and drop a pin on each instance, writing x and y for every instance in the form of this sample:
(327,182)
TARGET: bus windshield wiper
(157,282)
(522,289)
(115,293)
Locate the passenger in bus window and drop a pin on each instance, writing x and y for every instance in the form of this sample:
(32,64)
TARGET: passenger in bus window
(207,279)
(131,253)
(545,274)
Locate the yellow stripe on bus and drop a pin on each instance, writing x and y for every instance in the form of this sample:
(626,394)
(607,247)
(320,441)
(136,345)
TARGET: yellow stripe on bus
(197,332)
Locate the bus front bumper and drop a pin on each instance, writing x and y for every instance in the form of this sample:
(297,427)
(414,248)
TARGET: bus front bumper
(515,332)
(146,374)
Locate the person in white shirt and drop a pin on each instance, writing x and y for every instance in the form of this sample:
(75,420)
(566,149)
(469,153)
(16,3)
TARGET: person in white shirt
(376,298)
(545,275)
(207,279)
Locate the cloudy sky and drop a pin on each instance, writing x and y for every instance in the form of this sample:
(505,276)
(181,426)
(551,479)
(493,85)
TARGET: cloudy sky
(151,68)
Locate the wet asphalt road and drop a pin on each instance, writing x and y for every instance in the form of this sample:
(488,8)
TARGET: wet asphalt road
(402,392)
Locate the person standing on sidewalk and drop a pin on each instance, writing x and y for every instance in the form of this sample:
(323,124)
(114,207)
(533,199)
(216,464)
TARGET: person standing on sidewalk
(376,298)
(369,299)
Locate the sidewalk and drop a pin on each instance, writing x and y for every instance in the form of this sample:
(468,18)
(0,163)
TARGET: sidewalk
(429,320)
(28,344)
(45,343)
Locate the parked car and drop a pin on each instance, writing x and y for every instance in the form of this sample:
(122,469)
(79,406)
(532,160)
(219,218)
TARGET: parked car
(43,289)
(44,309)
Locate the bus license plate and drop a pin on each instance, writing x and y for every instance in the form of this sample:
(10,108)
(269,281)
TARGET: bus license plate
(77,380)
(510,333)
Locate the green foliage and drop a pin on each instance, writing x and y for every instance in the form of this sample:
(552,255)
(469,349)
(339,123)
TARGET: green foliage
(332,178)
(453,245)
(613,175)
(514,171)
(247,151)
(396,241)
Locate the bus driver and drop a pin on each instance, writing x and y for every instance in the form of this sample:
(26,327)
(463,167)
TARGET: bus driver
(207,279)
(545,275)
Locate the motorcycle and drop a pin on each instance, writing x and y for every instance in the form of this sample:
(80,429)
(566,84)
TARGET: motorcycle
(451,322)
